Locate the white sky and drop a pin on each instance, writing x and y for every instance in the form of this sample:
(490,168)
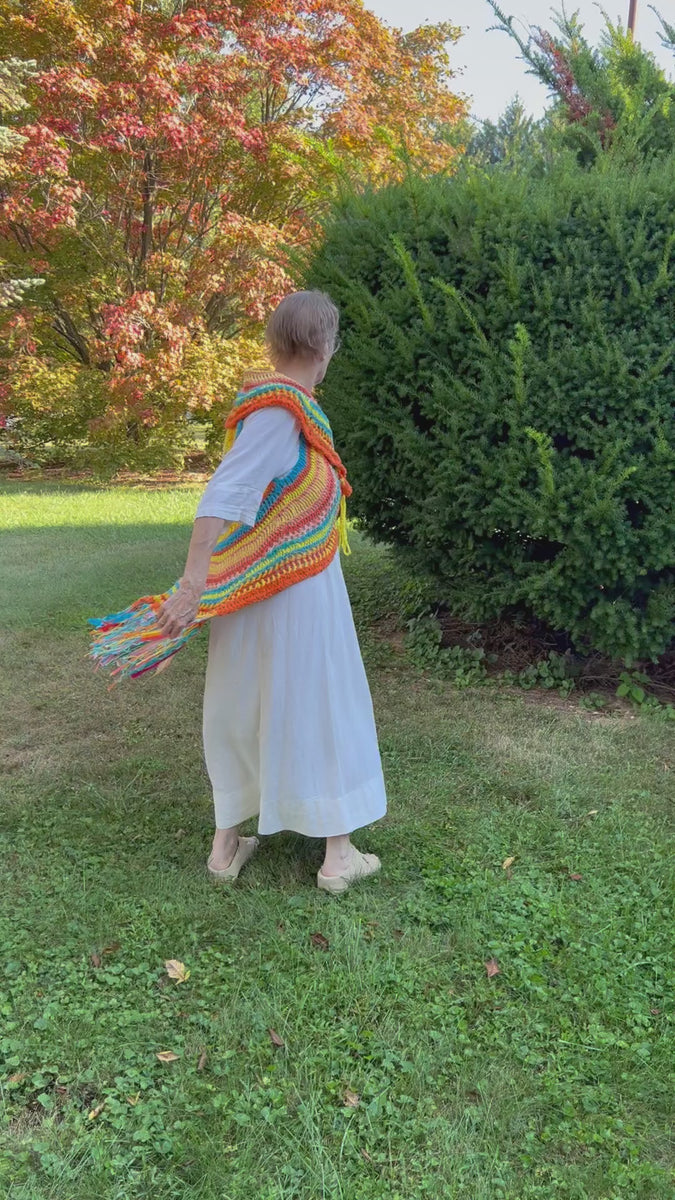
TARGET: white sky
(491,72)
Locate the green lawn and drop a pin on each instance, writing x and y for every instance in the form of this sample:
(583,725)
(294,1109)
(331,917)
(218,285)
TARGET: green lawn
(405,1071)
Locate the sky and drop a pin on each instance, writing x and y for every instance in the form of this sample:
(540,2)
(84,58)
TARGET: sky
(491,71)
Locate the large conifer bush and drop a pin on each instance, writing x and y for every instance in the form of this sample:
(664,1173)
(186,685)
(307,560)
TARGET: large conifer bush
(505,395)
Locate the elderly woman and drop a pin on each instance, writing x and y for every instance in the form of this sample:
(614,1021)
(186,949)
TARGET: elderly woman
(289,733)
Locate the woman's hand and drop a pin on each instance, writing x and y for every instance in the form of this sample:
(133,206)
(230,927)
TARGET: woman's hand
(179,610)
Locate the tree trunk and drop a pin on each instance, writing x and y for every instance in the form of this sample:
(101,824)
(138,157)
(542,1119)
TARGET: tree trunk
(149,190)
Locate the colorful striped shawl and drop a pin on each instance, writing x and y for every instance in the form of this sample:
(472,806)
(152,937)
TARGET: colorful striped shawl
(300,524)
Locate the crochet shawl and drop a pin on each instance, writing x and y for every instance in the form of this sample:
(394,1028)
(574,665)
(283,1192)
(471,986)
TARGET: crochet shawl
(300,524)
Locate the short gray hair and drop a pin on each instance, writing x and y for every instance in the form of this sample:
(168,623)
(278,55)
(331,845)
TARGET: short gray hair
(304,324)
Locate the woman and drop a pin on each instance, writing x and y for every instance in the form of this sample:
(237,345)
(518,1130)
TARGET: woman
(289,733)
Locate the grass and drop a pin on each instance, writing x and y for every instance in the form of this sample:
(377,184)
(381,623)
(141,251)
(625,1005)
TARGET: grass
(405,1072)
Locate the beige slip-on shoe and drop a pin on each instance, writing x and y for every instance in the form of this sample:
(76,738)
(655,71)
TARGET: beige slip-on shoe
(360,867)
(245,850)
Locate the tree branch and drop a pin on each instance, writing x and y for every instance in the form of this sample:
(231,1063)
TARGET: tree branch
(148,193)
(64,325)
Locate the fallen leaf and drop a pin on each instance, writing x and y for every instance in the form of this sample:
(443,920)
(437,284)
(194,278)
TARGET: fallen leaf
(17,1077)
(275,1039)
(180,833)
(111,949)
(351,1099)
(176,970)
(592,813)
(133,1100)
(167,1056)
(95,959)
(202,1060)
(508,862)
(656,1012)
(96,1112)
(318,940)
(62,1091)
(576,878)
(492,968)
(366,1156)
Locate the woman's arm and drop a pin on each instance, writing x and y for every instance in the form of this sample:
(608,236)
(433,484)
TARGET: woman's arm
(180,609)
(266,449)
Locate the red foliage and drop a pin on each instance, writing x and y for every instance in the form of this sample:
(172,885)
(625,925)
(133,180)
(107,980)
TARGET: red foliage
(578,107)
(171,158)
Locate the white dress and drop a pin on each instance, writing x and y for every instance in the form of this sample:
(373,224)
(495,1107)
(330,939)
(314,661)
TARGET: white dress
(289,732)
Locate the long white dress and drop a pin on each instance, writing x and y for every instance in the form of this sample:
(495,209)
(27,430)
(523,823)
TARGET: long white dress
(289,731)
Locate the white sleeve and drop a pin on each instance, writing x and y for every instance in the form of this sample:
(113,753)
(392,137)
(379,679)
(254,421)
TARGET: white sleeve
(266,449)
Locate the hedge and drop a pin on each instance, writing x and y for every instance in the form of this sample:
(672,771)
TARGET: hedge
(505,393)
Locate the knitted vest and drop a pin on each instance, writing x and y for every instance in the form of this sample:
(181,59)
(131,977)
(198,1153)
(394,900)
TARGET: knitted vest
(300,524)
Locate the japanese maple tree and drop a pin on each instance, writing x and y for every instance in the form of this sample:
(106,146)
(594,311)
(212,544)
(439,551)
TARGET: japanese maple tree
(173,159)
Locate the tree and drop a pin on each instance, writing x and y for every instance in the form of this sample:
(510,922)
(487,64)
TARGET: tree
(513,140)
(174,159)
(13,75)
(612,98)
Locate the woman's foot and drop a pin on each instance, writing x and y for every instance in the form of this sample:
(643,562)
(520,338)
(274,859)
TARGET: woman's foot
(344,864)
(230,854)
(224,848)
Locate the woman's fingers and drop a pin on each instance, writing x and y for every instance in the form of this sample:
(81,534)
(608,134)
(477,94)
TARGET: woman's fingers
(171,628)
(172,623)
(163,619)
(179,611)
(166,622)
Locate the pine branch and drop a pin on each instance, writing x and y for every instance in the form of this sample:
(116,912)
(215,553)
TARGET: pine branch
(538,64)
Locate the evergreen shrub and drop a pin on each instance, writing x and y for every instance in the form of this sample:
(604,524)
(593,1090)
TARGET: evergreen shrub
(505,394)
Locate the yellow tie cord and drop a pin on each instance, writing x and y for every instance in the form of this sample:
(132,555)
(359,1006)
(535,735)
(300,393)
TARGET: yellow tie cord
(342,527)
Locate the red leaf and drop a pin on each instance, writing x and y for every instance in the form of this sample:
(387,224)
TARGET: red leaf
(492,968)
(576,878)
(95,959)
